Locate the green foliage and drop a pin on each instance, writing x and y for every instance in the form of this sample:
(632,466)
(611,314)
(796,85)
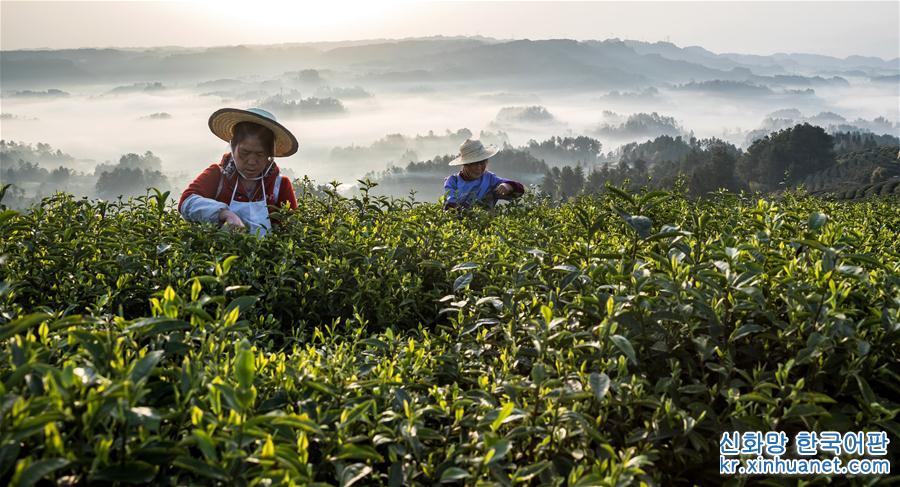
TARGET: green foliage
(787,156)
(845,142)
(606,341)
(859,168)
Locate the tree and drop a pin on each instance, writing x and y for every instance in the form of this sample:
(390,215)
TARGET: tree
(147,161)
(566,150)
(787,156)
(715,173)
(571,182)
(60,175)
(596,180)
(128,181)
(550,183)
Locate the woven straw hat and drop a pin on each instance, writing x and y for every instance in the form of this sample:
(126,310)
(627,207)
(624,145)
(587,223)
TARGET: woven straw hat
(473,151)
(222,123)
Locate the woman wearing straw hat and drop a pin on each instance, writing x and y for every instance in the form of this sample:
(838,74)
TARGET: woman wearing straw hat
(239,190)
(474,184)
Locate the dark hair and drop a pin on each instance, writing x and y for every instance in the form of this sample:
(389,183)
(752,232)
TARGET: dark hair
(246,129)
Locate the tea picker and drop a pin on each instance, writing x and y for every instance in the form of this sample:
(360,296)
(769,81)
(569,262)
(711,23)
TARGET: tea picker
(245,188)
(474,184)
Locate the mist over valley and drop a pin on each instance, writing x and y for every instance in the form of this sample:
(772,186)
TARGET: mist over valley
(368,109)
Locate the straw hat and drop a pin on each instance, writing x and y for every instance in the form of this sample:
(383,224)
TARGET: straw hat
(473,151)
(222,123)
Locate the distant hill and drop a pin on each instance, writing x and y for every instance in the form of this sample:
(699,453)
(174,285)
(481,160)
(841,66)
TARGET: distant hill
(693,54)
(855,170)
(561,63)
(386,53)
(894,78)
(764,65)
(731,88)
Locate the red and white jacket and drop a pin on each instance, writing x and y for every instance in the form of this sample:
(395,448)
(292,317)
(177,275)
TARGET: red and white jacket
(211,191)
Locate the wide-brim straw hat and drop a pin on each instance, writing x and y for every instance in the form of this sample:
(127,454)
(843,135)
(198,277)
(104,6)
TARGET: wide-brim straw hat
(473,151)
(222,123)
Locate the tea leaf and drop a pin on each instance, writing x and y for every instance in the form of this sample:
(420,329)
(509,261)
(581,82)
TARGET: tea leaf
(641,224)
(756,397)
(143,367)
(462,281)
(206,444)
(624,345)
(452,474)
(525,474)
(358,452)
(817,221)
(354,473)
(466,266)
(599,384)
(504,413)
(744,331)
(38,470)
(497,452)
(244,366)
(242,303)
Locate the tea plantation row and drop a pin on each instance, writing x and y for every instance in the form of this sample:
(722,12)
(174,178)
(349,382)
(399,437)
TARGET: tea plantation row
(605,341)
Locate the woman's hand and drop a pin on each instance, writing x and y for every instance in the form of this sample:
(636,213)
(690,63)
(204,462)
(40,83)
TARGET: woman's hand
(504,189)
(228,217)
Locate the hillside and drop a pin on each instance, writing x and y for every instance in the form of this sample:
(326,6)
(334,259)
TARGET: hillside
(889,187)
(858,168)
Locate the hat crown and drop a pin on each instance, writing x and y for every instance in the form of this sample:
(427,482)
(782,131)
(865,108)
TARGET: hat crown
(263,113)
(473,151)
(470,147)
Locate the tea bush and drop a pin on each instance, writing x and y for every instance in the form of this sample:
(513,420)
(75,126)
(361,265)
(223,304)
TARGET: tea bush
(606,341)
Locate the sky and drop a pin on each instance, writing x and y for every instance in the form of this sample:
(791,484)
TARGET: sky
(832,28)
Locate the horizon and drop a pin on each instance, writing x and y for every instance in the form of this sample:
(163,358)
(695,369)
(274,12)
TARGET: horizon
(371,41)
(764,28)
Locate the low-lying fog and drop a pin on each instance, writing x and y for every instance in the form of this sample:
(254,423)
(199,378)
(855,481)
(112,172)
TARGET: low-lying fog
(97,123)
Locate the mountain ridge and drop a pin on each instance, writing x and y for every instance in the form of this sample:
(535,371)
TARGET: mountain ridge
(611,62)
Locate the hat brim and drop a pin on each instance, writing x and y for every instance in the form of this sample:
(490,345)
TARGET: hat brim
(486,153)
(222,123)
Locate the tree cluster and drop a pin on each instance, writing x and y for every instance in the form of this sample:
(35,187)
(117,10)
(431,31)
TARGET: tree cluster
(784,158)
(133,174)
(780,160)
(579,150)
(854,141)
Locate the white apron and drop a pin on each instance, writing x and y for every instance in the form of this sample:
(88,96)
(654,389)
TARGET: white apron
(255,214)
